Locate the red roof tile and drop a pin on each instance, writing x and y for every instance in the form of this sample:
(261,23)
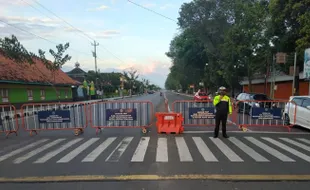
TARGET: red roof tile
(24,72)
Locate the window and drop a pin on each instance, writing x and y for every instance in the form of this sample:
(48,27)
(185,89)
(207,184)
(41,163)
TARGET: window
(42,94)
(4,95)
(66,93)
(58,93)
(298,101)
(240,96)
(260,97)
(30,95)
(306,103)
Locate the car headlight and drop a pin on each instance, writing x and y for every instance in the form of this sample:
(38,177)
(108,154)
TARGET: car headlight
(256,104)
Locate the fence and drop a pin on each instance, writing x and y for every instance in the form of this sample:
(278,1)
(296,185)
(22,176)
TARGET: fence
(195,113)
(121,114)
(8,120)
(54,116)
(262,114)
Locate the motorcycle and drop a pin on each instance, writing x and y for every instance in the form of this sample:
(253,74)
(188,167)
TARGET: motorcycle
(161,94)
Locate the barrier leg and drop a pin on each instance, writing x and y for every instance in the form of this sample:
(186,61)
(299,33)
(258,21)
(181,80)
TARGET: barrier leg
(8,133)
(98,130)
(78,131)
(32,132)
(144,130)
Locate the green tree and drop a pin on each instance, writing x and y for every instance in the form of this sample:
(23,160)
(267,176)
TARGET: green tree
(14,50)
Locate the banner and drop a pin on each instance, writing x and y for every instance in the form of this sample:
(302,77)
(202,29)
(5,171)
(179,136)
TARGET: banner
(266,113)
(58,116)
(202,113)
(307,64)
(127,114)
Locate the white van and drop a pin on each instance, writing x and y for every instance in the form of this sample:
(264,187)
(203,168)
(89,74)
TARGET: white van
(302,111)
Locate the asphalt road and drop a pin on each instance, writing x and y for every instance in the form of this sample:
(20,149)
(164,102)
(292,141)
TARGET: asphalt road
(123,158)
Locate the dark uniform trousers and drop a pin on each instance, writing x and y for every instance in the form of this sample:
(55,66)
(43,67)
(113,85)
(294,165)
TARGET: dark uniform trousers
(220,118)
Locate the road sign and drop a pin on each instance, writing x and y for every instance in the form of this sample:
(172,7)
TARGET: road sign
(307,64)
(57,116)
(281,57)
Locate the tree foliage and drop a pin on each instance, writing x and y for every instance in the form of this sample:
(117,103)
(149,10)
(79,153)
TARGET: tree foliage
(14,50)
(236,39)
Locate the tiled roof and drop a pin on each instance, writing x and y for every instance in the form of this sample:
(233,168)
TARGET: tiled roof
(76,71)
(36,73)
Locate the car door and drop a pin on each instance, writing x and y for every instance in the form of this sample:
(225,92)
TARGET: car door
(293,110)
(304,113)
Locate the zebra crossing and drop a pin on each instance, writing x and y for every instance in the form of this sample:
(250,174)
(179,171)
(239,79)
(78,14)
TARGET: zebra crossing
(137,149)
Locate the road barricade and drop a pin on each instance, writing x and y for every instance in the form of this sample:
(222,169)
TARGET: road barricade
(169,123)
(8,120)
(195,113)
(54,116)
(253,113)
(121,114)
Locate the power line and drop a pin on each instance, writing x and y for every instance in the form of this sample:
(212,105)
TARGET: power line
(38,36)
(76,29)
(44,14)
(63,20)
(152,11)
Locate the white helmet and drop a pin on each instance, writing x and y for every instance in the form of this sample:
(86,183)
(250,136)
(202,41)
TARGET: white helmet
(222,88)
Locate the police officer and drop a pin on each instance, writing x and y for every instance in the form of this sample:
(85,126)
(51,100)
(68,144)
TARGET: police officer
(223,107)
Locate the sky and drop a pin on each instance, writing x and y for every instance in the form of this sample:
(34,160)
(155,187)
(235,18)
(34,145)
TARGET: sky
(128,35)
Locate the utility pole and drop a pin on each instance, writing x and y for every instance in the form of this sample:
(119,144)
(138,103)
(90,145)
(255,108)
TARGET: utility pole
(95,44)
(294,75)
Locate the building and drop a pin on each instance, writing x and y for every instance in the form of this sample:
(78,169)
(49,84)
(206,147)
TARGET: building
(77,73)
(25,83)
(283,88)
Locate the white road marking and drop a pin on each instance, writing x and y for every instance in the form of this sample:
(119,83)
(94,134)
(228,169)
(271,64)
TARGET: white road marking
(204,150)
(304,140)
(184,154)
(77,151)
(15,152)
(230,154)
(162,150)
(270,150)
(52,154)
(248,150)
(37,151)
(139,154)
(298,144)
(249,132)
(96,152)
(287,148)
(119,150)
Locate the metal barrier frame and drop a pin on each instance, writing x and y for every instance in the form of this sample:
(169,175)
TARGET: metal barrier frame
(143,128)
(77,130)
(245,126)
(196,101)
(14,120)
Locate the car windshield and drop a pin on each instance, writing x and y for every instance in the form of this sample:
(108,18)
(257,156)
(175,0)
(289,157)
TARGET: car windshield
(260,97)
(203,94)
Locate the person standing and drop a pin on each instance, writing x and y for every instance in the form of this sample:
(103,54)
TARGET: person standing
(223,108)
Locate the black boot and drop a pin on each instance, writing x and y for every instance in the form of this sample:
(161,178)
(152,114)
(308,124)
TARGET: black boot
(225,136)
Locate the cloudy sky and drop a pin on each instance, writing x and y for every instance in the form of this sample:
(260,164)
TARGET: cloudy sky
(128,35)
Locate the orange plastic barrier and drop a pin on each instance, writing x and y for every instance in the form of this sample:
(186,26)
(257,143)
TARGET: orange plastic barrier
(169,122)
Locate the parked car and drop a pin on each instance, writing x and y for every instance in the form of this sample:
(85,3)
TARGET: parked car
(245,102)
(201,96)
(302,106)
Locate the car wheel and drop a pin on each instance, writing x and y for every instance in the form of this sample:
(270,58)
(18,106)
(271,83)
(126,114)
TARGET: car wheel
(286,120)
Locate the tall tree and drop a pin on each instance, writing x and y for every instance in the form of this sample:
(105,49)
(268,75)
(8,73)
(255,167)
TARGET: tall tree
(13,49)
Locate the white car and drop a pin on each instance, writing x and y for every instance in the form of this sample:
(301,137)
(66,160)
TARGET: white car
(302,111)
